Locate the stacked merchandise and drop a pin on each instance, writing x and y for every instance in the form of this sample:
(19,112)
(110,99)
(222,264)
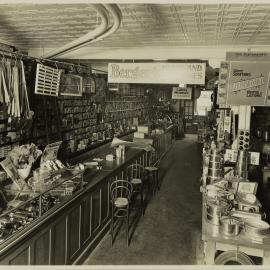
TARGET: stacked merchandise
(231,208)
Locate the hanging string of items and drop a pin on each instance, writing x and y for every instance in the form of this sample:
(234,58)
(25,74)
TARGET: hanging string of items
(13,91)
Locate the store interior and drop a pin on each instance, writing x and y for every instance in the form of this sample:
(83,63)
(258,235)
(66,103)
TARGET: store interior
(134,133)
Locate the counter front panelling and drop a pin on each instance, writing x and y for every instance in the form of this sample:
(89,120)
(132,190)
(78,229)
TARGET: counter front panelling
(67,231)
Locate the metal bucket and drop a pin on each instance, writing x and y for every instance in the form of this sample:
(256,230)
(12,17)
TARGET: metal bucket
(215,209)
(230,226)
(215,168)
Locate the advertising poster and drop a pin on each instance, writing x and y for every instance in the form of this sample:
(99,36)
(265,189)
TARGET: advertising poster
(248,83)
(157,73)
(12,172)
(220,125)
(50,152)
(181,93)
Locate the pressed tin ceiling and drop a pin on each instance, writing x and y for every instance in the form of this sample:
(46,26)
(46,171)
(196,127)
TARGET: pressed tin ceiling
(52,25)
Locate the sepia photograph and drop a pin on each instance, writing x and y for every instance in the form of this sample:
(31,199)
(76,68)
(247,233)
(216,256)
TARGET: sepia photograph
(153,116)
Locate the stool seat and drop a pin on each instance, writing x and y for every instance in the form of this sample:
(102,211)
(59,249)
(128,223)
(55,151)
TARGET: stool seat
(136,181)
(121,202)
(151,169)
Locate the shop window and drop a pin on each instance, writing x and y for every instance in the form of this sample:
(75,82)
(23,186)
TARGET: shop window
(189,109)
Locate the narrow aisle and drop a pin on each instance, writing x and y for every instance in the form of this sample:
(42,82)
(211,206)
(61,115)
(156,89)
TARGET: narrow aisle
(170,231)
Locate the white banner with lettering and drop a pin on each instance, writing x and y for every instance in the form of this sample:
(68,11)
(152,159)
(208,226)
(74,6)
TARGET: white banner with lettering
(181,93)
(158,73)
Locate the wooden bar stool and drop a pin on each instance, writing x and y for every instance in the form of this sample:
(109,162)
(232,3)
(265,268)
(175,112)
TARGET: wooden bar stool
(120,191)
(136,175)
(152,170)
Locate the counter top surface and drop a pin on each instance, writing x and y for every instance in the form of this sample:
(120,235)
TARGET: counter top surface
(93,176)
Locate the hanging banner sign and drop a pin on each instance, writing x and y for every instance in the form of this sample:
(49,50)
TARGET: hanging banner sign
(158,73)
(248,56)
(181,93)
(248,83)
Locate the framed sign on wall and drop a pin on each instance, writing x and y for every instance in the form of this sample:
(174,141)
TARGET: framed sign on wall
(71,85)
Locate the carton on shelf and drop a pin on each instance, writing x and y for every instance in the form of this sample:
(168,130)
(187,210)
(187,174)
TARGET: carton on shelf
(143,129)
(139,135)
(143,141)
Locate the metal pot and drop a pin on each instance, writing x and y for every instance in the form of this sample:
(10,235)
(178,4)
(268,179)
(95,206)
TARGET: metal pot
(214,174)
(216,192)
(212,190)
(215,158)
(215,209)
(215,165)
(230,226)
(256,228)
(226,195)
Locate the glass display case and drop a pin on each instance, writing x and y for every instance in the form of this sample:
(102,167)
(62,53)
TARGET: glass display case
(26,206)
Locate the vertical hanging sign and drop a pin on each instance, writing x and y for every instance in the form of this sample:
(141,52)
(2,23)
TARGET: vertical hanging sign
(222,85)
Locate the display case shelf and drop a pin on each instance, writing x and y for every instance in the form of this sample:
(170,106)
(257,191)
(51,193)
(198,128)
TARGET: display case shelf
(34,204)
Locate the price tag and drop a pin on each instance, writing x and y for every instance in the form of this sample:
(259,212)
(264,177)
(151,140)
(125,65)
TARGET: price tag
(230,155)
(254,158)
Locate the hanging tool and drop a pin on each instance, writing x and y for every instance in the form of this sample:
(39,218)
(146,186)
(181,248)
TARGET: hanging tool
(16,99)
(26,109)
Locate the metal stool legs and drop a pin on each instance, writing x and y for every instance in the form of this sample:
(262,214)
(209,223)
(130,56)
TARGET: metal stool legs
(127,228)
(138,188)
(136,174)
(126,217)
(120,191)
(153,179)
(112,225)
(142,202)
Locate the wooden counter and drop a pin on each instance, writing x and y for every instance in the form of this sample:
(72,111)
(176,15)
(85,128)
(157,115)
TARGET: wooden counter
(70,231)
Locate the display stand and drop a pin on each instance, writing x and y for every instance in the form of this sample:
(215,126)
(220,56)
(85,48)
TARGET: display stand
(214,242)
